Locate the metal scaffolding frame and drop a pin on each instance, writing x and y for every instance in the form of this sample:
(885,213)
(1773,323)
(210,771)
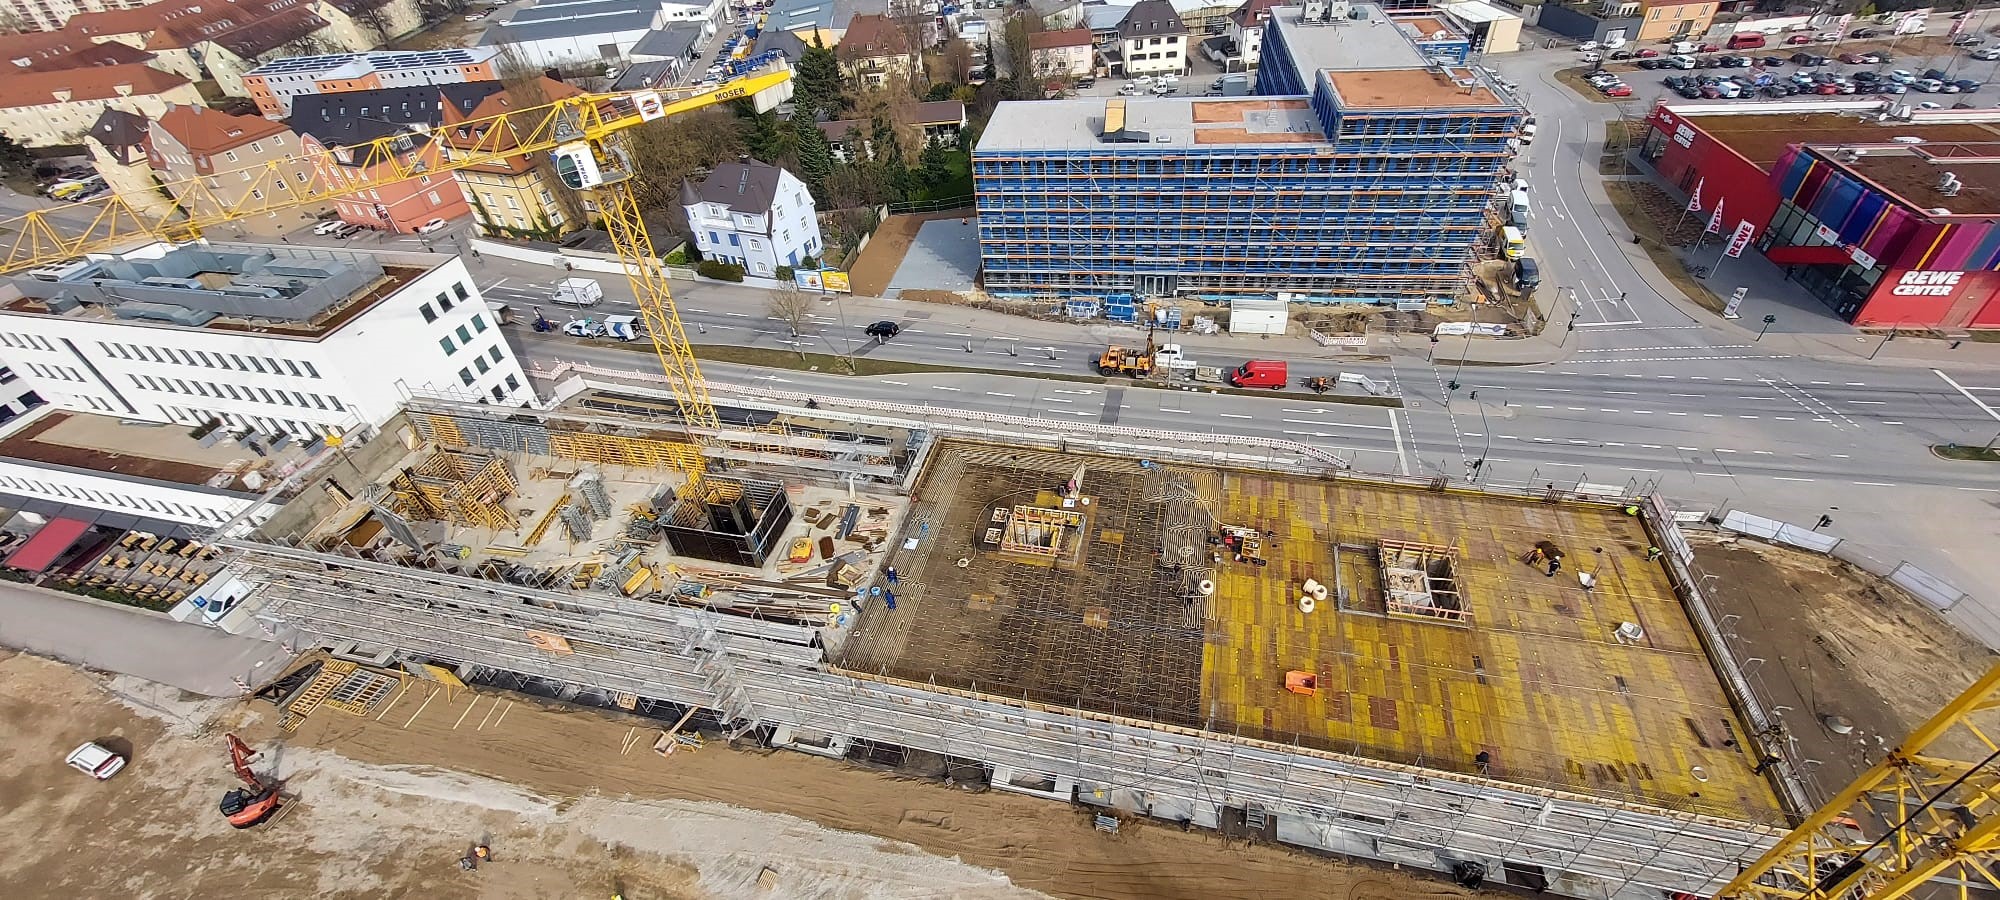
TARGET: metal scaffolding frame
(769,675)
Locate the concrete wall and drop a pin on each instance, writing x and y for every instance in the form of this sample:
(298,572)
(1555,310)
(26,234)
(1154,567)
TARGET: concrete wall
(1571,23)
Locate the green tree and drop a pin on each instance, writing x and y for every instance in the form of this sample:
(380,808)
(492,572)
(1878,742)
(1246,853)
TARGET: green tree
(935,164)
(814,155)
(772,140)
(1019,70)
(816,83)
(941,91)
(14,158)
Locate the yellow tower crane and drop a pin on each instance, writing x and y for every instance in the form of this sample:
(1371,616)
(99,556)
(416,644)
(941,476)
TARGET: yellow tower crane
(581,133)
(1926,816)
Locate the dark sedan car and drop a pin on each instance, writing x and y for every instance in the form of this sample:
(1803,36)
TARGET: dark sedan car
(884,329)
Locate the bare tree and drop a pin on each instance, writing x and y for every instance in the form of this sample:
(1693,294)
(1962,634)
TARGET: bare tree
(793,307)
(373,15)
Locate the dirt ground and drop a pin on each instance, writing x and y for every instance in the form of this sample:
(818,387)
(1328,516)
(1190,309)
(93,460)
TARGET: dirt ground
(387,804)
(871,273)
(1821,638)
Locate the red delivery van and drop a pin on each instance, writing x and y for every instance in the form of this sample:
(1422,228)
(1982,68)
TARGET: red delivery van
(1745,41)
(1263,373)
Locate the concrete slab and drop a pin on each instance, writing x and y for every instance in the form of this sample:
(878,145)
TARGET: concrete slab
(944,257)
(150,646)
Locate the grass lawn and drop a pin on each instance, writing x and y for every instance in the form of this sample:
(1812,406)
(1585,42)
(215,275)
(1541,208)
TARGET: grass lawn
(958,185)
(1652,239)
(1970,454)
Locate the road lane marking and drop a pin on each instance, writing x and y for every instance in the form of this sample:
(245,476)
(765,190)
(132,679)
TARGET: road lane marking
(1870,402)
(896,383)
(1783,478)
(1067,400)
(1968,394)
(1224,415)
(997,394)
(1875,483)
(940,387)
(1325,424)
(1396,429)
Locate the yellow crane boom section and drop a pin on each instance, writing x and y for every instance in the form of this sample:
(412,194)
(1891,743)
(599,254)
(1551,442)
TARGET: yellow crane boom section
(592,121)
(44,236)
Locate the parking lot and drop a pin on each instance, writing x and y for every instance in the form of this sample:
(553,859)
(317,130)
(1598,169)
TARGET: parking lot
(1928,80)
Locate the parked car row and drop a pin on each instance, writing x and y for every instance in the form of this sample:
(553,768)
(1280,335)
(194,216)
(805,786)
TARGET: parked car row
(1609,85)
(1767,85)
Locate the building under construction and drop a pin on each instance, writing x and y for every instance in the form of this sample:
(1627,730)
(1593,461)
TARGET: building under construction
(1363,170)
(1242,638)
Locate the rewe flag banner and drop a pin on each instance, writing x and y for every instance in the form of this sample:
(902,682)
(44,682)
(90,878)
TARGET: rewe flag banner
(1715,221)
(1694,199)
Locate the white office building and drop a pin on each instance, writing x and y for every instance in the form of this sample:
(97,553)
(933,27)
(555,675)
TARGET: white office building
(17,397)
(757,216)
(569,32)
(252,339)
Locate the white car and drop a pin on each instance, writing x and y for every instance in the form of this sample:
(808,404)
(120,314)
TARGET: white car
(432,225)
(93,760)
(474,17)
(1587,46)
(1591,57)
(328,227)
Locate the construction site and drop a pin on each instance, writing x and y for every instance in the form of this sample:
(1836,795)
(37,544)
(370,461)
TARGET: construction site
(1262,645)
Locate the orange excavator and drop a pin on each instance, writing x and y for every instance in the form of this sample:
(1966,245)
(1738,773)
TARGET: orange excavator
(258,801)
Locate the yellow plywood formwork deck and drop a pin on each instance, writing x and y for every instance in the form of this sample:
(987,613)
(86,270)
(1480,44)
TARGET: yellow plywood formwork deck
(1155,618)
(1541,681)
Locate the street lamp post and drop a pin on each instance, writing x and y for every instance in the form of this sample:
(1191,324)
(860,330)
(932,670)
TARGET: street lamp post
(1885,340)
(1574,314)
(1453,385)
(1486,446)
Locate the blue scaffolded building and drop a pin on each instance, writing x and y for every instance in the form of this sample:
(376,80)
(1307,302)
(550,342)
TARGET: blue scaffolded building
(1360,171)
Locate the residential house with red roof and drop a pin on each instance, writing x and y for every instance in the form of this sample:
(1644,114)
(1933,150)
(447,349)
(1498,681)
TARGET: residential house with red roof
(213,162)
(46,109)
(342,123)
(519,196)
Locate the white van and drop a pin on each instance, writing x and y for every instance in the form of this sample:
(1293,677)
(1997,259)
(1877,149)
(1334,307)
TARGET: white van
(1528,132)
(1681,48)
(1517,208)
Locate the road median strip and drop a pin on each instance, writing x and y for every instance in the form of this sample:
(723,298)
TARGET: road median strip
(862,366)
